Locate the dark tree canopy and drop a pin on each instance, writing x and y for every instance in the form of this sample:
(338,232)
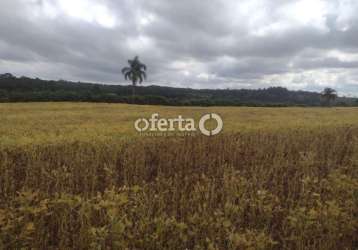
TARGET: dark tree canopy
(329,95)
(24,89)
(135,72)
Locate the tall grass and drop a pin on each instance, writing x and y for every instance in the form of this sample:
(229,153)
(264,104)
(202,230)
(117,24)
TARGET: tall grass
(296,189)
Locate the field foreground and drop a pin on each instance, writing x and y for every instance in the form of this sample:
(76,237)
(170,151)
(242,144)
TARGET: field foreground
(77,176)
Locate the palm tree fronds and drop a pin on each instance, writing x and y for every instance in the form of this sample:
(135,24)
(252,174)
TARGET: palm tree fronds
(140,78)
(135,72)
(143,66)
(329,95)
(128,76)
(125,69)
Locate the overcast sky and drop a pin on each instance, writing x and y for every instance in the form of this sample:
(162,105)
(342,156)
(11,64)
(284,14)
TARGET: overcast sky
(303,44)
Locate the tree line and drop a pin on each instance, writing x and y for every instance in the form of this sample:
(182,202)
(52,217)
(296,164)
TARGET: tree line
(24,89)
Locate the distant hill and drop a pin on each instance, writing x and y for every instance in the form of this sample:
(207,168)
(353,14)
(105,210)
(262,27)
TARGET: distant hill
(24,89)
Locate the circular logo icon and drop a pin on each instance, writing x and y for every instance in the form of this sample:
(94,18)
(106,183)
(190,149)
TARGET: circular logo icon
(207,117)
(139,128)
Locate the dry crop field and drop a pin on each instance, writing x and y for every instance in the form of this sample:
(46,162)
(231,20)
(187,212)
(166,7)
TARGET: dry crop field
(78,176)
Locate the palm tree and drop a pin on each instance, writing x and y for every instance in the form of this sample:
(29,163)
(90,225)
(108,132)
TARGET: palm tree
(135,72)
(329,95)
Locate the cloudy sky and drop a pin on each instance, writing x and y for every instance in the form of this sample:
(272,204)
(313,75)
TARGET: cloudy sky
(299,44)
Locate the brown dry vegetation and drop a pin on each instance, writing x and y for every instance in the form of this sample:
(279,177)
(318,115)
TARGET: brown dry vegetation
(263,188)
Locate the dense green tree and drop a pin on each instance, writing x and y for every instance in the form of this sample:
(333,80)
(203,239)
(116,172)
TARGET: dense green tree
(135,72)
(25,89)
(3,95)
(329,95)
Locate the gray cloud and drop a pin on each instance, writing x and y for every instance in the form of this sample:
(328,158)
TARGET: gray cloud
(299,44)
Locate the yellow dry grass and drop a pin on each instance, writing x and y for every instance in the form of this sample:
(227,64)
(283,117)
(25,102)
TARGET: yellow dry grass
(78,176)
(27,123)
